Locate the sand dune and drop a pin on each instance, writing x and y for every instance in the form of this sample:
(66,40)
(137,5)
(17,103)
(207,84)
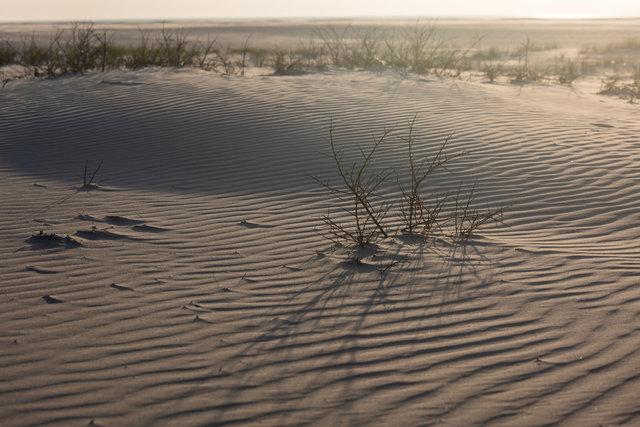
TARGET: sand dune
(201,291)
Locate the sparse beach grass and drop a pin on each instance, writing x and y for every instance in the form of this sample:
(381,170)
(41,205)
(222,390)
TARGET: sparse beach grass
(419,48)
(421,211)
(359,187)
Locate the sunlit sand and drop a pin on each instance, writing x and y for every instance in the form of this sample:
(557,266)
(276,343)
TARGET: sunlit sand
(165,259)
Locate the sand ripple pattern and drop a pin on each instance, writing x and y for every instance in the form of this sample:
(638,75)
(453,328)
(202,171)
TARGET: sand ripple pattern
(203,294)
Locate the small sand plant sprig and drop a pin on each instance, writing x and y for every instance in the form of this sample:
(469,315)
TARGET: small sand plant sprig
(284,62)
(4,79)
(467,218)
(492,69)
(87,182)
(334,42)
(568,71)
(244,52)
(226,59)
(201,53)
(144,54)
(358,187)
(173,47)
(417,215)
(8,54)
(79,50)
(105,49)
(612,86)
(522,71)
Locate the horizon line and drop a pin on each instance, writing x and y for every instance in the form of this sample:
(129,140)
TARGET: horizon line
(319,18)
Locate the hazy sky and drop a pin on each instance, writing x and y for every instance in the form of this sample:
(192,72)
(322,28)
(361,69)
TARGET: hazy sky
(28,10)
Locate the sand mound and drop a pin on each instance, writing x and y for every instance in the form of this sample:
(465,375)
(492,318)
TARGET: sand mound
(201,291)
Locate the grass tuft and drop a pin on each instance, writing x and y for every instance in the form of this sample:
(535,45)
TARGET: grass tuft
(87,181)
(359,190)
(420,215)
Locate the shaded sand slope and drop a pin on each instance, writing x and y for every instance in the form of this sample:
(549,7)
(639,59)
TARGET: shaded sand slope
(197,289)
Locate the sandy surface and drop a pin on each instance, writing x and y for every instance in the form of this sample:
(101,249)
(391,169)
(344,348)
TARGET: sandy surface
(200,291)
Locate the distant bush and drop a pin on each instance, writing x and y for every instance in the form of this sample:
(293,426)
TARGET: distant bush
(567,71)
(8,54)
(614,87)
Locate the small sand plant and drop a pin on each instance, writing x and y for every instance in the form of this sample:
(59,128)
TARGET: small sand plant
(79,51)
(144,54)
(105,49)
(568,71)
(245,53)
(87,181)
(417,214)
(8,54)
(227,61)
(359,188)
(522,71)
(614,87)
(4,79)
(334,42)
(492,70)
(202,53)
(467,218)
(173,47)
(424,215)
(284,62)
